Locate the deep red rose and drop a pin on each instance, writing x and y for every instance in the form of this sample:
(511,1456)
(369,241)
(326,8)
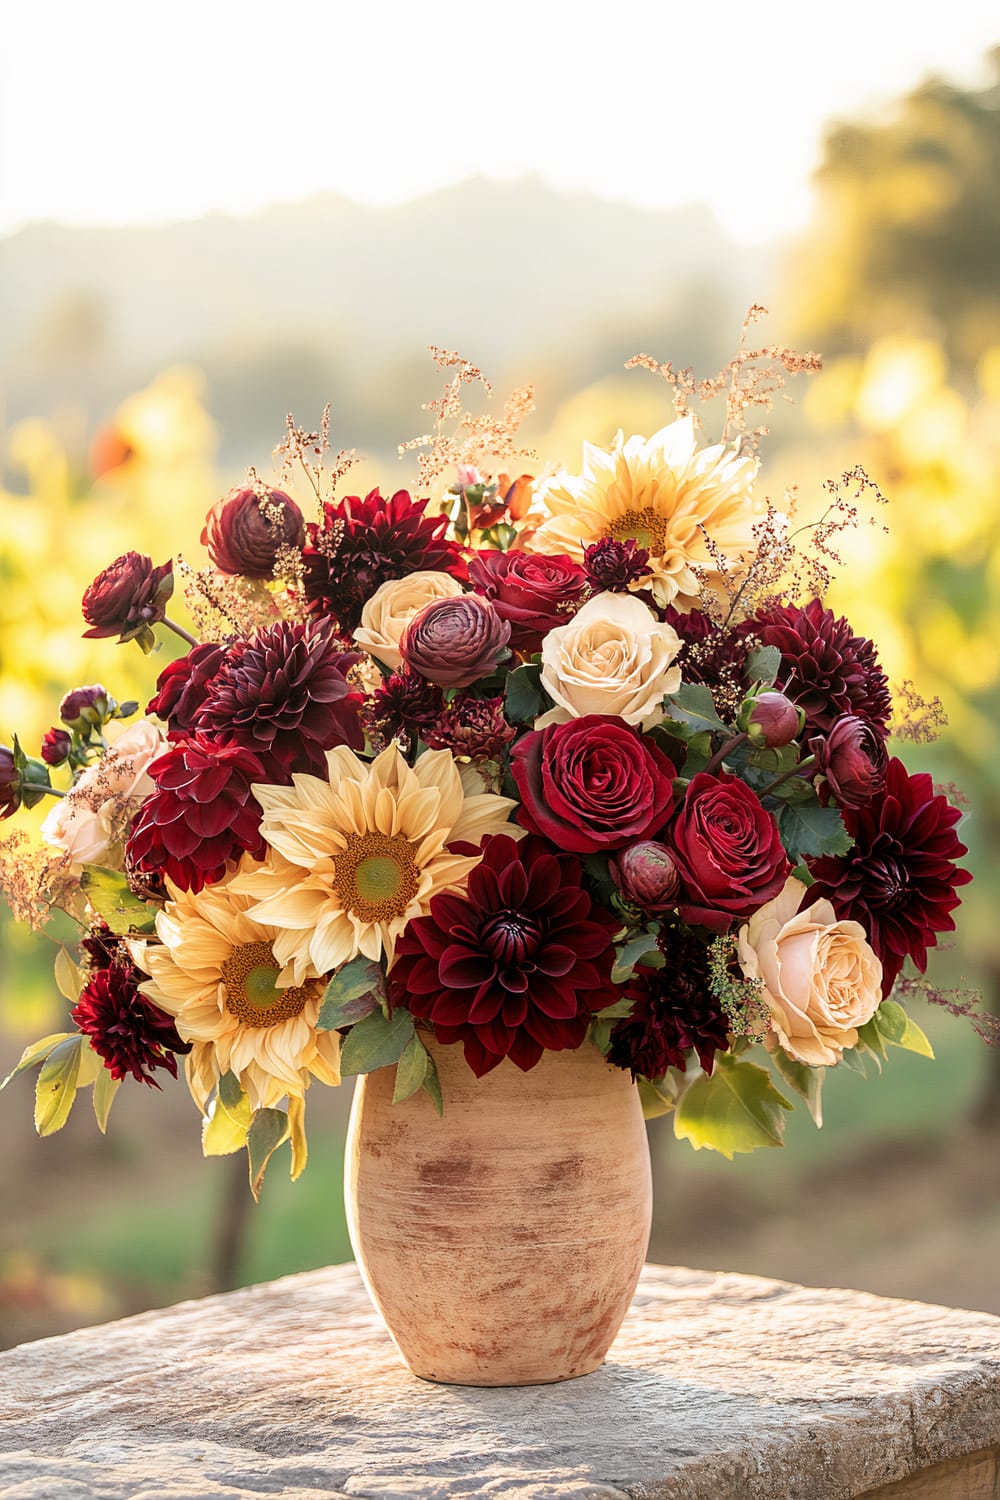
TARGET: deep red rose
(129,1033)
(128,598)
(727,850)
(244,531)
(532,592)
(646,876)
(182,686)
(56,746)
(594,783)
(854,760)
(454,642)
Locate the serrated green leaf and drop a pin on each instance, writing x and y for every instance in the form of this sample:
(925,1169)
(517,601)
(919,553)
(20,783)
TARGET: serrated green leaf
(657,1098)
(432,1085)
(108,893)
(351,994)
(899,1028)
(763,665)
(812,830)
(375,1042)
(735,1109)
(297,1131)
(524,698)
(693,707)
(36,1052)
(411,1070)
(105,1089)
(221,1135)
(268,1130)
(57,1085)
(69,976)
(804,1080)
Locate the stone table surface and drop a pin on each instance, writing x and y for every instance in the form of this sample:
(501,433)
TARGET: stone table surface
(718,1386)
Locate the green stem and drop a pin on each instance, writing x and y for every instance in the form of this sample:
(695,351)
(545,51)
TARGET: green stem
(179,630)
(50,791)
(803,765)
(720,755)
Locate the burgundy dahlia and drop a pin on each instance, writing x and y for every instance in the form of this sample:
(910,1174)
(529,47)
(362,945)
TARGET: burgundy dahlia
(517,964)
(673,1013)
(244,531)
(202,814)
(405,705)
(361,544)
(899,880)
(825,668)
(182,686)
(56,746)
(131,1034)
(474,727)
(456,641)
(128,598)
(712,654)
(853,759)
(612,566)
(285,695)
(531,591)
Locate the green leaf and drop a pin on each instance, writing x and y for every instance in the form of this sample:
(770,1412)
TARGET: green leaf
(901,1030)
(297,1130)
(109,895)
(268,1130)
(803,875)
(812,830)
(775,761)
(221,1135)
(736,1108)
(432,1085)
(657,1097)
(693,707)
(524,697)
(854,1060)
(641,949)
(411,1070)
(57,1085)
(804,1080)
(234,1101)
(36,1052)
(619,1010)
(105,1089)
(870,1039)
(763,665)
(375,1042)
(699,753)
(69,976)
(351,994)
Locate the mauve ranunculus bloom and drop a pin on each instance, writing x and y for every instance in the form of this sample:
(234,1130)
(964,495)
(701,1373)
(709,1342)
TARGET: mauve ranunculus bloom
(773,721)
(646,876)
(85,706)
(10,783)
(244,531)
(56,745)
(728,851)
(531,591)
(854,760)
(454,642)
(128,598)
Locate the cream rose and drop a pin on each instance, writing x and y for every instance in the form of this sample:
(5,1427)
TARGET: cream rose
(613,657)
(391,608)
(90,822)
(821,979)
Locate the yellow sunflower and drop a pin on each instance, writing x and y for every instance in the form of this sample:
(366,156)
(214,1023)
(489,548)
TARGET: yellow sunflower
(355,857)
(214,970)
(660,491)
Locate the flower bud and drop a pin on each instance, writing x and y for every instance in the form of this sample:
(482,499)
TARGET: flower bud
(853,759)
(612,565)
(770,720)
(245,531)
(128,599)
(56,746)
(86,707)
(10,783)
(646,876)
(455,641)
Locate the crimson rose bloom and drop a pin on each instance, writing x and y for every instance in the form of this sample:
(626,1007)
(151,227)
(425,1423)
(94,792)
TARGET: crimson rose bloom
(531,592)
(128,598)
(201,815)
(854,760)
(244,531)
(727,850)
(517,964)
(454,642)
(128,1032)
(594,783)
(182,686)
(899,879)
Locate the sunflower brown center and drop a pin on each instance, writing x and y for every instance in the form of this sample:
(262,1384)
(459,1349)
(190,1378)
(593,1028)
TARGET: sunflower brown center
(252,995)
(644,527)
(376,875)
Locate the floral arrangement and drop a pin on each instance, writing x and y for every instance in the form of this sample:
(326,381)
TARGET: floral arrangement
(531,763)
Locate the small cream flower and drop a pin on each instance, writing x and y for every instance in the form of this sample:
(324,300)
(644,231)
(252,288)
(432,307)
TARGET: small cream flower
(613,657)
(391,608)
(821,978)
(91,821)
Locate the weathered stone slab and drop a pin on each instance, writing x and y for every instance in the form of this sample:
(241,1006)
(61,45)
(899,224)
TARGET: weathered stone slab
(718,1386)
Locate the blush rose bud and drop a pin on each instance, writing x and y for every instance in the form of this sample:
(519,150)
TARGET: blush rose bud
(244,531)
(853,759)
(87,707)
(770,720)
(647,877)
(454,642)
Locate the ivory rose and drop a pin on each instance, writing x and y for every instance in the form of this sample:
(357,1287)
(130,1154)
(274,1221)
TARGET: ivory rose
(393,605)
(90,822)
(613,657)
(821,978)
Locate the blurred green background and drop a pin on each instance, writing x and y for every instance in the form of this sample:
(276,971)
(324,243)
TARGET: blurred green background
(145,366)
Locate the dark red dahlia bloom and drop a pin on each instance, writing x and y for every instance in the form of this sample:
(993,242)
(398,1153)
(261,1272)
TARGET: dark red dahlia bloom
(129,1032)
(405,705)
(128,598)
(244,531)
(612,565)
(475,727)
(284,694)
(361,544)
(182,686)
(712,655)
(101,948)
(56,746)
(673,1012)
(531,591)
(517,964)
(202,814)
(854,760)
(825,668)
(899,881)
(727,850)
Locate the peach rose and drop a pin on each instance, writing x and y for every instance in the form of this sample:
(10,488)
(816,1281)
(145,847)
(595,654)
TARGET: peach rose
(821,979)
(91,821)
(391,608)
(613,657)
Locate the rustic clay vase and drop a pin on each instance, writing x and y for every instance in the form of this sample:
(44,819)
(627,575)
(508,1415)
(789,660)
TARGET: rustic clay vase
(502,1242)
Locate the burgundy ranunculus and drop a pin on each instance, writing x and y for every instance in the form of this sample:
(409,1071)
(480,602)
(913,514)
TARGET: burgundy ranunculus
(128,598)
(182,686)
(531,591)
(899,881)
(854,760)
(245,531)
(673,1013)
(454,642)
(85,707)
(825,668)
(202,814)
(728,851)
(613,566)
(10,784)
(128,1032)
(56,746)
(646,876)
(473,727)
(517,964)
(594,783)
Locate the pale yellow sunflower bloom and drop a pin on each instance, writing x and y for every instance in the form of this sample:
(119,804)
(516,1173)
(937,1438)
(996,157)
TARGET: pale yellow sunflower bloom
(353,858)
(214,970)
(661,491)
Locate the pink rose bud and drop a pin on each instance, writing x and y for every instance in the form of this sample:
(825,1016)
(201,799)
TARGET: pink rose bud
(245,531)
(454,642)
(647,877)
(773,721)
(853,759)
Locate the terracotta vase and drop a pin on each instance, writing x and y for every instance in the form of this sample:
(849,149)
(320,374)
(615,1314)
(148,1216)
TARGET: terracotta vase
(502,1242)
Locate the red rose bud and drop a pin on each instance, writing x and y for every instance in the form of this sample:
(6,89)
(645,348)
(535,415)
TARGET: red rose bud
(127,599)
(646,876)
(245,531)
(56,745)
(10,783)
(771,720)
(454,642)
(87,707)
(853,759)
(532,592)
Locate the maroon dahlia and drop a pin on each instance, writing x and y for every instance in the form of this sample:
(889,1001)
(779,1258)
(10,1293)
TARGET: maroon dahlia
(182,686)
(474,727)
(711,654)
(899,880)
(405,705)
(126,1030)
(361,544)
(673,1013)
(825,668)
(613,566)
(128,598)
(516,965)
(244,531)
(202,814)
(285,695)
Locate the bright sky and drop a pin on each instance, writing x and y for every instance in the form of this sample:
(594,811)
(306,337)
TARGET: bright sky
(123,111)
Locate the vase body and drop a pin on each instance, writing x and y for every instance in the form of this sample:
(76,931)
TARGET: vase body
(502,1242)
